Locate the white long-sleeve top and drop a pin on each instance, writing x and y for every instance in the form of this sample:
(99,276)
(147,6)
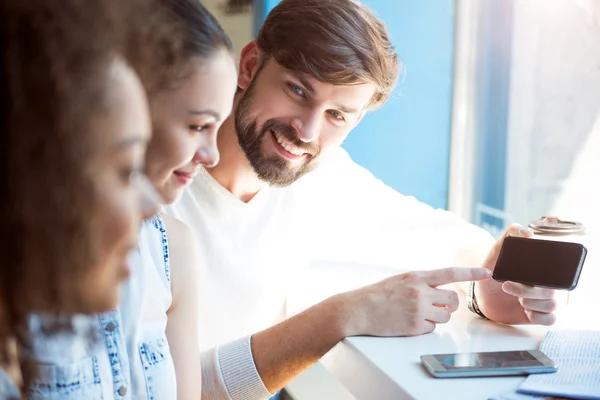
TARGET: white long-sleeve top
(254,254)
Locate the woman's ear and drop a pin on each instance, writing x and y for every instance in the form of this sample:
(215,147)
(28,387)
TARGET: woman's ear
(249,64)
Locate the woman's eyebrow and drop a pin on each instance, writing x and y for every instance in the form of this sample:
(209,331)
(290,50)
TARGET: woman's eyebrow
(212,113)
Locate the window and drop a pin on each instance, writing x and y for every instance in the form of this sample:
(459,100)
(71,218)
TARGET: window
(527,112)
(526,119)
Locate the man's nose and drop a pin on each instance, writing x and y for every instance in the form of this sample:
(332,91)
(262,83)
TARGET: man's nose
(307,127)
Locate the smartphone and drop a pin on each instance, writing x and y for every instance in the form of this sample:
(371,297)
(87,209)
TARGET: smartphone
(538,262)
(495,363)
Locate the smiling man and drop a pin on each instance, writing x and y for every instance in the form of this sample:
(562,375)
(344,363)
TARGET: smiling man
(285,190)
(281,150)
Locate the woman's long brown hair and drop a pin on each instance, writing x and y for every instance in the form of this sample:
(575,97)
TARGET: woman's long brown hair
(54,59)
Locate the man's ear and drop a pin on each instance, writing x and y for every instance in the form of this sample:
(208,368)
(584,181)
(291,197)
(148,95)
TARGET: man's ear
(250,59)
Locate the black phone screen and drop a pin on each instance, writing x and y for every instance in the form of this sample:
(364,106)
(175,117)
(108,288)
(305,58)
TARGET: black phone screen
(538,262)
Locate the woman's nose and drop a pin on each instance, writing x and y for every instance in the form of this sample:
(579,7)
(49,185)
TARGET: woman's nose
(208,157)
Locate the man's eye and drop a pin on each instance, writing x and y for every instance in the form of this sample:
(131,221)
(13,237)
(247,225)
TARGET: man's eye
(296,90)
(338,116)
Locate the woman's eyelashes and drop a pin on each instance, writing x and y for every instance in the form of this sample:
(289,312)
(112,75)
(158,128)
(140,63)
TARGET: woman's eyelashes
(201,127)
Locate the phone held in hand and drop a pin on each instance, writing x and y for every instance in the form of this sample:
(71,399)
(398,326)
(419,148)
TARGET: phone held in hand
(496,363)
(540,262)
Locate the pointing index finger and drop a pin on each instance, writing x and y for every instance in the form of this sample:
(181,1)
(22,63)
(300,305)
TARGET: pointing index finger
(456,274)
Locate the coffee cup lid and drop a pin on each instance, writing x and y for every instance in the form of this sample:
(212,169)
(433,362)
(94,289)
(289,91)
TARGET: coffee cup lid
(556,226)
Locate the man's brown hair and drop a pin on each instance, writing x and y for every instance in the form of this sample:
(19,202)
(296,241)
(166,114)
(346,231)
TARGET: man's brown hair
(340,42)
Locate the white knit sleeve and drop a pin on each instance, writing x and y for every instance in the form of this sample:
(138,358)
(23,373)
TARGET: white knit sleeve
(229,372)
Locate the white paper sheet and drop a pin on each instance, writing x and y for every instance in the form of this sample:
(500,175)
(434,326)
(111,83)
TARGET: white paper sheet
(577,354)
(521,396)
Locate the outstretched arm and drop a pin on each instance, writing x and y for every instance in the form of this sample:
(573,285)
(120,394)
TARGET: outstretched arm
(403,305)
(182,325)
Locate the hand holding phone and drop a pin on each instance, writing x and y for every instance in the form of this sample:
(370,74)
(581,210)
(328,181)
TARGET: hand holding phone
(536,262)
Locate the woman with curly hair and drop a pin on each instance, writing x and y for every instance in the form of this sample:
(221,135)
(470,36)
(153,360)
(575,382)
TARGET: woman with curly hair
(75,124)
(148,346)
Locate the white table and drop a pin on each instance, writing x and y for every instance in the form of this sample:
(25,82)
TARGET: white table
(390,368)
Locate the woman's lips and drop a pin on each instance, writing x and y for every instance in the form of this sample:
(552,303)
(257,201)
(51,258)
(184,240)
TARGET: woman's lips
(183,177)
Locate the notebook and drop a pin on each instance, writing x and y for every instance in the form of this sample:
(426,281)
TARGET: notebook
(577,354)
(521,396)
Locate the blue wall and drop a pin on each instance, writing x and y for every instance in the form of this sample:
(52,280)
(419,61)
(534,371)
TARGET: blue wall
(407,142)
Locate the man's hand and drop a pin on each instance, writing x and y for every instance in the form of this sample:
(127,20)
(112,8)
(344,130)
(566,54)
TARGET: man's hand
(511,302)
(404,305)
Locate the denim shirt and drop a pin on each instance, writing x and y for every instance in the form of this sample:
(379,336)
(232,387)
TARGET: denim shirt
(143,309)
(66,357)
(122,354)
(8,390)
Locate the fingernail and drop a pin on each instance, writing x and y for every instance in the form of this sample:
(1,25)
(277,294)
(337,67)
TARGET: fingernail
(486,273)
(507,287)
(524,231)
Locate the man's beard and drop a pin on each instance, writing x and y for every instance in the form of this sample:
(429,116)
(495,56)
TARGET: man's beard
(272,169)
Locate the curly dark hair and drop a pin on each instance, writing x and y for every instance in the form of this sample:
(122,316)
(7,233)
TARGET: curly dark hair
(54,64)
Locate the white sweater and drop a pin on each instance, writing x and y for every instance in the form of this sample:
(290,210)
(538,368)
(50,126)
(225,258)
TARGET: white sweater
(253,253)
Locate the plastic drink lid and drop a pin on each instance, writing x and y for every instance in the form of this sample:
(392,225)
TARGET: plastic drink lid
(556,226)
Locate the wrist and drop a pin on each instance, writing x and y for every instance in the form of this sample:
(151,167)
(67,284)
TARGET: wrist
(340,316)
(472,300)
(497,305)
